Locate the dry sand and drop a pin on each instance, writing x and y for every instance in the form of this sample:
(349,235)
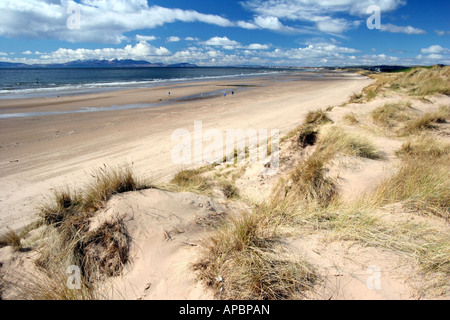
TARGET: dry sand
(41,153)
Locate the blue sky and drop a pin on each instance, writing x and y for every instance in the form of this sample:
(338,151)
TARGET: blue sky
(222,33)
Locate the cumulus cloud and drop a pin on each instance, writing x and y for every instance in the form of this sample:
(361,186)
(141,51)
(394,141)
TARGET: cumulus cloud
(257,46)
(398,29)
(173,39)
(100,21)
(228,44)
(140,51)
(322,14)
(223,42)
(435,49)
(145,38)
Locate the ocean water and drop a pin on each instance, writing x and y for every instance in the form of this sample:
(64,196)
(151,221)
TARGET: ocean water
(65,81)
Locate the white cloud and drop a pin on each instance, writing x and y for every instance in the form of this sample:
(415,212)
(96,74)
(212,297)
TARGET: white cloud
(173,39)
(435,56)
(442,32)
(247,25)
(271,23)
(228,44)
(101,21)
(257,46)
(141,51)
(435,49)
(321,13)
(191,39)
(333,26)
(223,42)
(145,38)
(398,29)
(312,9)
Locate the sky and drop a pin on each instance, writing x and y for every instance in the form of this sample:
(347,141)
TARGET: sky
(308,33)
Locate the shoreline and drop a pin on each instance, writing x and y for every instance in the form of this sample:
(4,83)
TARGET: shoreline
(40,154)
(70,90)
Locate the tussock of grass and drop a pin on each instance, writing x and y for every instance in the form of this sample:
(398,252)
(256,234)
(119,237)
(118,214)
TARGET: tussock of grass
(424,146)
(356,98)
(99,253)
(426,81)
(191,181)
(336,139)
(391,114)
(52,287)
(310,183)
(67,204)
(317,118)
(244,259)
(428,121)
(107,183)
(351,118)
(229,190)
(105,250)
(422,183)
(367,95)
(11,239)
(307,133)
(63,204)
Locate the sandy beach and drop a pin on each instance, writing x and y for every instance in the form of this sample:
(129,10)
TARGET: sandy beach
(44,152)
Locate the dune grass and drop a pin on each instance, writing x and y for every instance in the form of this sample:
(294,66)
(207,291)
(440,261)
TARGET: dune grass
(104,184)
(229,189)
(423,145)
(191,181)
(391,114)
(307,132)
(11,239)
(418,82)
(426,81)
(350,118)
(50,287)
(245,259)
(428,121)
(69,240)
(310,183)
(422,183)
(335,139)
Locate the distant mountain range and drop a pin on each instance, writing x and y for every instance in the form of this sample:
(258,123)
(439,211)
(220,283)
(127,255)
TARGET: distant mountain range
(99,64)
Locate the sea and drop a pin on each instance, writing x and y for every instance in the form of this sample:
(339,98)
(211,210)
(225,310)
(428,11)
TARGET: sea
(49,82)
